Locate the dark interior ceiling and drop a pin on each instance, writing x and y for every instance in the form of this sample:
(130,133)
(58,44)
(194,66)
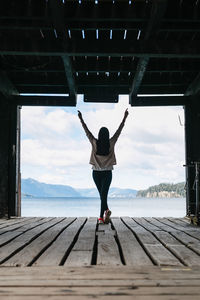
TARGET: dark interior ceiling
(100,49)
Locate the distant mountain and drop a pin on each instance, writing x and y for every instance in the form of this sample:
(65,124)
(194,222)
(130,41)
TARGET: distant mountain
(122,193)
(113,193)
(38,189)
(164,190)
(34,188)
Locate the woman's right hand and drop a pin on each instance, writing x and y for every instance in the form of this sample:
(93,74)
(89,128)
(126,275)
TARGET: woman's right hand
(79,114)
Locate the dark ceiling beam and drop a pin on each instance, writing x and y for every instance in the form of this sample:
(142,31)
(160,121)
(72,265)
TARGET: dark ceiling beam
(100,83)
(103,69)
(161,101)
(58,16)
(54,47)
(89,26)
(71,101)
(43,89)
(85,9)
(162,89)
(194,87)
(78,25)
(62,89)
(45,100)
(157,12)
(114,89)
(69,74)
(6,86)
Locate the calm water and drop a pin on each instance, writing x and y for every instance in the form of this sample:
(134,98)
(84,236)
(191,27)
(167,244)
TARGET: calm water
(81,207)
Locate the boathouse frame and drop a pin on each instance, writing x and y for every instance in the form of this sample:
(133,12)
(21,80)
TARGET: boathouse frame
(100,49)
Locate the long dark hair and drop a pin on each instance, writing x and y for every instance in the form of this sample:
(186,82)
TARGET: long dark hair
(103,142)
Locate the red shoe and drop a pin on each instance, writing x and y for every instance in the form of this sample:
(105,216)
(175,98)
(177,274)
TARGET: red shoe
(100,221)
(107,216)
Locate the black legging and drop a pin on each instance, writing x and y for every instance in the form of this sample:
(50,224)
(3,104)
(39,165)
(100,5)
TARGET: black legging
(102,180)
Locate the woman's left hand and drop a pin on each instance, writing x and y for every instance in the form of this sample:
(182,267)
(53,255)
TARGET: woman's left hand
(126,113)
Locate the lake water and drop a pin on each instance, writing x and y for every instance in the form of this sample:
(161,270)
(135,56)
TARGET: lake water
(87,207)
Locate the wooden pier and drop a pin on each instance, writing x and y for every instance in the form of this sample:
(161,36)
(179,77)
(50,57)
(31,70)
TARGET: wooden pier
(140,258)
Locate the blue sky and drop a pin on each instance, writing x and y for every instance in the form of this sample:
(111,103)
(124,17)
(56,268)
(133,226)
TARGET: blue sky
(149,151)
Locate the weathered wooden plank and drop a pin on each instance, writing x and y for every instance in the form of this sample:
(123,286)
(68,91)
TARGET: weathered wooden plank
(100,273)
(59,282)
(181,222)
(188,240)
(188,256)
(133,253)
(6,222)
(12,225)
(9,235)
(99,291)
(161,234)
(177,243)
(81,254)
(173,243)
(149,226)
(86,237)
(54,254)
(192,229)
(157,222)
(159,253)
(162,256)
(185,237)
(187,228)
(31,251)
(166,238)
(110,297)
(107,252)
(26,238)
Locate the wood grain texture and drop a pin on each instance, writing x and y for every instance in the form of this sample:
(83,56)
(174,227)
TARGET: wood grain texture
(135,242)
(156,250)
(32,250)
(133,252)
(101,282)
(81,254)
(108,252)
(54,254)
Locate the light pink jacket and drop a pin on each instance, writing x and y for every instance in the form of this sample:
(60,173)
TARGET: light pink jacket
(102,161)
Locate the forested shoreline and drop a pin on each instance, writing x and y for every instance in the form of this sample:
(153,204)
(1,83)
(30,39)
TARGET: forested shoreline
(164,190)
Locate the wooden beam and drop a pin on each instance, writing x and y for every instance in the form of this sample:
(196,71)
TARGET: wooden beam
(154,49)
(69,74)
(157,12)
(77,25)
(194,87)
(138,77)
(6,86)
(57,12)
(160,101)
(175,89)
(45,100)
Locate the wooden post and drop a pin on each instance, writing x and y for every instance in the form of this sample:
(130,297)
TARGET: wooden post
(192,150)
(8,119)
(4,156)
(18,163)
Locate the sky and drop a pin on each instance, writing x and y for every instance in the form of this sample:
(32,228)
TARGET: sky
(150,149)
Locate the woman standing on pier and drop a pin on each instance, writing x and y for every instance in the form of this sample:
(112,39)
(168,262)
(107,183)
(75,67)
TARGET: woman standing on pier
(102,160)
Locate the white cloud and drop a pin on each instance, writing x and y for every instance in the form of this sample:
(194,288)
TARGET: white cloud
(149,151)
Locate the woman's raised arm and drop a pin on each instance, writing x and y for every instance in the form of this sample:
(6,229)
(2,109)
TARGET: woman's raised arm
(117,133)
(88,133)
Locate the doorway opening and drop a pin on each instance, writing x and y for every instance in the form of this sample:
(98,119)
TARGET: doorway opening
(55,154)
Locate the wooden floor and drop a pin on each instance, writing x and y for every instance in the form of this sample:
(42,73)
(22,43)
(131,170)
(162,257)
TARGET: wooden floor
(148,258)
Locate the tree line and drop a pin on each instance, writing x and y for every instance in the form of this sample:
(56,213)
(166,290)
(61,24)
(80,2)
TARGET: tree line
(178,188)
